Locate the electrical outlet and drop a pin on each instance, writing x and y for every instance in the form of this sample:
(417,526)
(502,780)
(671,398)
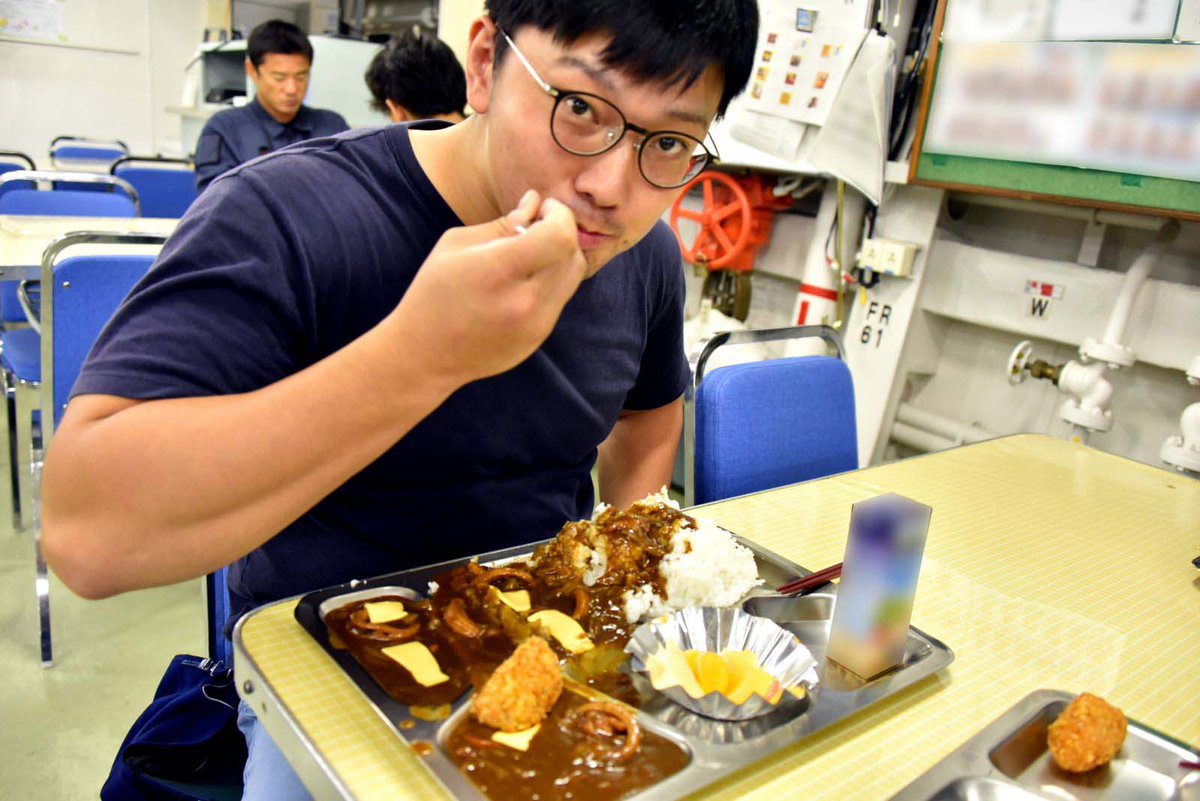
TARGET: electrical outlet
(888,256)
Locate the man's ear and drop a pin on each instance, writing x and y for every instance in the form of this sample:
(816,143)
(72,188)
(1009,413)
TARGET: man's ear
(251,72)
(397,112)
(481,55)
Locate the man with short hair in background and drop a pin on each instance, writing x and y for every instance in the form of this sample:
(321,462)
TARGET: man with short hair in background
(417,77)
(278,60)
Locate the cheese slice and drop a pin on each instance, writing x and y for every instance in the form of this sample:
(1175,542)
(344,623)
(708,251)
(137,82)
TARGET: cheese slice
(418,660)
(518,740)
(518,600)
(384,611)
(563,628)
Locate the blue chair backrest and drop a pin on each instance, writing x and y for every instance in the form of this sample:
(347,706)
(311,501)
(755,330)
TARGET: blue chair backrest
(67,203)
(9,166)
(88,290)
(163,192)
(772,423)
(216,585)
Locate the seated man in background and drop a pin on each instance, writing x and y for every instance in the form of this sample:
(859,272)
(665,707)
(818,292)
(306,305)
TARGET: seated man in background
(278,60)
(410,343)
(417,78)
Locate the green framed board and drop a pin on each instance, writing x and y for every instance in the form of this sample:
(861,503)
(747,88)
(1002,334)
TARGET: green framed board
(1096,188)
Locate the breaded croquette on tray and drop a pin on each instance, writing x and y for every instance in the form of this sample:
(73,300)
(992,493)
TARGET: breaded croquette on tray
(1088,734)
(521,690)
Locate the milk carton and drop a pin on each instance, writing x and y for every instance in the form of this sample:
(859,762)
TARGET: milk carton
(874,604)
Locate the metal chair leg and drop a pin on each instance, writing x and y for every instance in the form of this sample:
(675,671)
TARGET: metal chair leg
(42,582)
(14,462)
(27,401)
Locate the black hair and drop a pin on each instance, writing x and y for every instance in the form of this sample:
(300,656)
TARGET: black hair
(277,36)
(419,72)
(664,40)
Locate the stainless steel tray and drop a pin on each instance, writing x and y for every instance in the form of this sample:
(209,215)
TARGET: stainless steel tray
(1010,761)
(716,748)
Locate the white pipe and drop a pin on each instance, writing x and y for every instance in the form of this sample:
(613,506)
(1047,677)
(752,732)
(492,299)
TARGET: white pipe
(1071,212)
(919,439)
(1111,350)
(1135,277)
(961,433)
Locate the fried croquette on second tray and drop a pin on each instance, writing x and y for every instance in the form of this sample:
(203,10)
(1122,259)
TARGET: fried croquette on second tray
(1088,734)
(521,690)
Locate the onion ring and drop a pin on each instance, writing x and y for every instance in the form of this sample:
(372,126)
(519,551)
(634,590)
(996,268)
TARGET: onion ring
(457,619)
(487,577)
(386,632)
(605,718)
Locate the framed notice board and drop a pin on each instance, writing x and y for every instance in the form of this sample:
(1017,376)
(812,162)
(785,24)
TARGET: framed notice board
(1073,101)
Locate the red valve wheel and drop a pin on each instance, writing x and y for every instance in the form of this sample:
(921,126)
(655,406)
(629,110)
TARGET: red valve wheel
(723,236)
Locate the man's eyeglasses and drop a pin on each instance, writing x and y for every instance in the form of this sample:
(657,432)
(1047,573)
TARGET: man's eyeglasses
(588,125)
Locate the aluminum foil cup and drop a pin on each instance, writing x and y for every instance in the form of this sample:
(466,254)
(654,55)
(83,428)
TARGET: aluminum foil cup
(707,629)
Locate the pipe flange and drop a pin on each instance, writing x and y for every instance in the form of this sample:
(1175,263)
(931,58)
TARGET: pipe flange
(1018,360)
(1114,355)
(1094,419)
(1175,454)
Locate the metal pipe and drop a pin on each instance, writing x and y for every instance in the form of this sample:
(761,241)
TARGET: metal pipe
(1146,223)
(1135,277)
(919,439)
(959,432)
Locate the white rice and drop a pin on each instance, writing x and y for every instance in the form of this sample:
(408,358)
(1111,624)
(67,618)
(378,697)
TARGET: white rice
(716,570)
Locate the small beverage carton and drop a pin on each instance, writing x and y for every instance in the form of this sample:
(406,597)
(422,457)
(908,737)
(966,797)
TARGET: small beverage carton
(874,603)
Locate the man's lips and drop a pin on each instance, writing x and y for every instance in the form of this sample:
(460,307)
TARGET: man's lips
(589,239)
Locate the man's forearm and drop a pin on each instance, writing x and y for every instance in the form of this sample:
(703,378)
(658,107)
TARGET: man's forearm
(160,491)
(639,455)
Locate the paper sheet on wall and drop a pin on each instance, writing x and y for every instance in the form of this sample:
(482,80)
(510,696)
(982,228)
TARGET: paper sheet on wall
(33,19)
(853,143)
(803,53)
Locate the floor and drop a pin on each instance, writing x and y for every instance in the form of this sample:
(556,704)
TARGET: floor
(60,726)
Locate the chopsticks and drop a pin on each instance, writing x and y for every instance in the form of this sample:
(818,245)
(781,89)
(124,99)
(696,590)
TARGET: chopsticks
(1188,764)
(807,584)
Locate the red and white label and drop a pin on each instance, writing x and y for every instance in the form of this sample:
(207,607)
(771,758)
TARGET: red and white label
(1040,289)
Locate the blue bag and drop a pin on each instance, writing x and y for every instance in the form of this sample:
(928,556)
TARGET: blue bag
(186,745)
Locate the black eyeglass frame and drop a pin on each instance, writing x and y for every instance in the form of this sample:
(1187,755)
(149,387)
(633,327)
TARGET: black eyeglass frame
(560,94)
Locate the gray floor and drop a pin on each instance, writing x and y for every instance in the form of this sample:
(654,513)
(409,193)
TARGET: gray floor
(60,726)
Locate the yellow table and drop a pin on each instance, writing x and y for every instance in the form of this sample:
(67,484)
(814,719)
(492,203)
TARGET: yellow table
(24,238)
(1048,565)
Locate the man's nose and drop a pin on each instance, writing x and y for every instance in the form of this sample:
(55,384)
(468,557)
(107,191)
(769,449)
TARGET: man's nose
(605,178)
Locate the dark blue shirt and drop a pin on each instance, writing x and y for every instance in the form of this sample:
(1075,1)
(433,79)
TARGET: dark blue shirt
(236,135)
(285,260)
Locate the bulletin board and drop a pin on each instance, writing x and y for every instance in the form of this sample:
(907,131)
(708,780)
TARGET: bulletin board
(104,25)
(1089,159)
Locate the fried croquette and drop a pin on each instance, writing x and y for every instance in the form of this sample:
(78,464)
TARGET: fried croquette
(1088,734)
(521,690)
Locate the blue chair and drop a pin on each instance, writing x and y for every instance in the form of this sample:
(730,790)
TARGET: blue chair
(79,295)
(114,197)
(12,160)
(84,151)
(767,424)
(164,190)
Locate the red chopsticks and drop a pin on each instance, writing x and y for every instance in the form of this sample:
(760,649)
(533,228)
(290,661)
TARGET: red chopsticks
(808,583)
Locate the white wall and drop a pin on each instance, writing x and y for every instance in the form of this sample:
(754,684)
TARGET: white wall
(968,382)
(48,90)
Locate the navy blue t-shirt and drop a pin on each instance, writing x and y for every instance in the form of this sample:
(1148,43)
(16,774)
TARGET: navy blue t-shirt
(285,260)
